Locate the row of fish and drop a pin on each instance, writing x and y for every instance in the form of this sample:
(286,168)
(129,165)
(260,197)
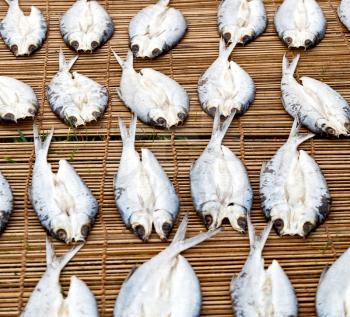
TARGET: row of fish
(158,286)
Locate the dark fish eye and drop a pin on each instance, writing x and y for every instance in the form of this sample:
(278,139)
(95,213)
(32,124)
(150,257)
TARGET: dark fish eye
(140,231)
(31,48)
(181,116)
(242,223)
(72,120)
(212,111)
(330,131)
(156,52)
(246,39)
(85,230)
(9,117)
(75,45)
(161,121)
(288,40)
(94,45)
(307,227)
(208,220)
(14,49)
(278,225)
(227,37)
(61,234)
(167,228)
(308,43)
(135,48)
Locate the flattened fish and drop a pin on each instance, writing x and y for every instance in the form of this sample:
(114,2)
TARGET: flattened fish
(157,100)
(166,285)
(86,26)
(23,34)
(293,190)
(144,194)
(220,185)
(225,86)
(256,292)
(333,292)
(300,23)
(47,298)
(75,98)
(156,29)
(316,105)
(17,100)
(241,21)
(344,13)
(63,203)
(6,202)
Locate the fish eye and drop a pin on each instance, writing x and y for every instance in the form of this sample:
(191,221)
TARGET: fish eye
(167,228)
(161,121)
(94,45)
(61,234)
(135,48)
(9,117)
(85,230)
(181,116)
(75,45)
(330,131)
(140,231)
(212,111)
(246,39)
(307,227)
(156,52)
(288,40)
(31,48)
(208,220)
(227,37)
(278,225)
(14,49)
(242,223)
(308,43)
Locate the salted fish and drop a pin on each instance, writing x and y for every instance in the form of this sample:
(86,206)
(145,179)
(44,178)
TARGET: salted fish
(294,193)
(6,202)
(220,184)
(156,29)
(74,98)
(166,285)
(63,203)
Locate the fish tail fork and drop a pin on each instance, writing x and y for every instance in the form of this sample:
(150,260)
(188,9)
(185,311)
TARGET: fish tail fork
(128,63)
(295,136)
(128,136)
(219,130)
(257,243)
(41,147)
(289,68)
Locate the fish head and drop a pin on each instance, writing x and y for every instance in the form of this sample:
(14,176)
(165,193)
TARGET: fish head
(23,46)
(329,129)
(141,223)
(296,38)
(210,214)
(81,225)
(176,116)
(163,223)
(60,228)
(242,35)
(83,42)
(144,46)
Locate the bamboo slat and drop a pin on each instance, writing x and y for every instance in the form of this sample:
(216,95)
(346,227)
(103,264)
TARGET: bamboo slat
(111,250)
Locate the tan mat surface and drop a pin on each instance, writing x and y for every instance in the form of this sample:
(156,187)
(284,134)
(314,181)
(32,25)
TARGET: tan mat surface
(111,250)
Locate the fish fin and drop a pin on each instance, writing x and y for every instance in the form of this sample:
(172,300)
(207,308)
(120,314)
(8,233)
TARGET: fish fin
(41,147)
(226,51)
(289,68)
(59,262)
(258,243)
(63,64)
(219,130)
(128,136)
(294,133)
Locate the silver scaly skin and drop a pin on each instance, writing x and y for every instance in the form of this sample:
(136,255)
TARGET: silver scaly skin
(23,34)
(333,292)
(225,86)
(256,292)
(344,13)
(86,26)
(300,23)
(144,194)
(166,285)
(316,105)
(63,203)
(156,29)
(75,98)
(241,21)
(157,99)
(47,299)
(6,202)
(293,190)
(220,185)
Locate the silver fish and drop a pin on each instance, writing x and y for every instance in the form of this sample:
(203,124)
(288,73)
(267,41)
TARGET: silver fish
(17,100)
(47,299)
(63,203)
(156,29)
(144,194)
(258,292)
(157,100)
(333,298)
(316,105)
(300,23)
(23,34)
(225,86)
(166,285)
(75,98)
(344,13)
(293,190)
(86,26)
(220,185)
(241,21)
(6,202)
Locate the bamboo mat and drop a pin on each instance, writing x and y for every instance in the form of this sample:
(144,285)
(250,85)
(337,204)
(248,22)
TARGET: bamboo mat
(111,250)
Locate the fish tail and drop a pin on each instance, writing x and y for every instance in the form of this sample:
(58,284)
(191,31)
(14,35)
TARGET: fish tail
(41,147)
(179,242)
(128,63)
(59,262)
(12,2)
(164,3)
(63,64)
(128,136)
(258,243)
(296,136)
(226,51)
(289,68)
(219,130)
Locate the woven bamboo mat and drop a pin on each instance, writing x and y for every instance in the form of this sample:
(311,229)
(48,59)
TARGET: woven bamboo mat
(111,250)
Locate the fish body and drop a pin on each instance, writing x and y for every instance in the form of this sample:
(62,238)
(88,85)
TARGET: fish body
(220,185)
(86,26)
(344,13)
(63,203)
(157,100)
(23,34)
(164,286)
(300,23)
(17,100)
(144,194)
(316,105)
(47,299)
(225,86)
(6,202)
(256,292)
(293,190)
(333,292)
(156,29)
(241,21)
(75,98)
